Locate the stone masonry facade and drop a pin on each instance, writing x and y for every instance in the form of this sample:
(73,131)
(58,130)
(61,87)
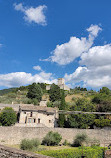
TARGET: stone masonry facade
(14,135)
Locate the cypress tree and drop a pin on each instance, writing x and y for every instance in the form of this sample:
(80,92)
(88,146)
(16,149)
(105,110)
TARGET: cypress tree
(62,107)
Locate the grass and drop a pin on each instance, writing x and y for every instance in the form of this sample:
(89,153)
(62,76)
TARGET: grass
(17,146)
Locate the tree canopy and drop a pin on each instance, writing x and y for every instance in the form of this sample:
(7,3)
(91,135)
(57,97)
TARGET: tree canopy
(54,93)
(81,120)
(8,117)
(35,92)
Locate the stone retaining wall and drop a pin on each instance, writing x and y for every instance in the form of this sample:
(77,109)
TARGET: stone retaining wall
(14,135)
(7,152)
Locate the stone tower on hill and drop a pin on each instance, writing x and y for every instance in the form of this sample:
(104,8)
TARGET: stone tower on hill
(61,84)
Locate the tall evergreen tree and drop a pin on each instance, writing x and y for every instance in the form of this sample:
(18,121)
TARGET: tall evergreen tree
(54,93)
(62,107)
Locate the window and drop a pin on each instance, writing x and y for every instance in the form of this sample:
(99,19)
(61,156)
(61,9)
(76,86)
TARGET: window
(31,114)
(34,120)
(39,120)
(50,121)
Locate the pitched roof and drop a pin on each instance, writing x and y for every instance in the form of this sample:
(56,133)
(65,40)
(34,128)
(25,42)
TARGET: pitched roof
(38,108)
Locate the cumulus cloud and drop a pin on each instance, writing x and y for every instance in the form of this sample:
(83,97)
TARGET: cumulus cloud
(96,71)
(97,56)
(68,52)
(22,78)
(32,14)
(38,68)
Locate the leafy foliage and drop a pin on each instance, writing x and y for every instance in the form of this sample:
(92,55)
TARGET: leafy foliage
(35,91)
(102,122)
(105,90)
(52,139)
(103,102)
(62,119)
(27,144)
(88,152)
(5,91)
(80,139)
(8,117)
(54,93)
(81,120)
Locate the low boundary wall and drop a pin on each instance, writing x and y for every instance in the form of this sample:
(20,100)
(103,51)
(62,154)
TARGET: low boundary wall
(7,152)
(14,135)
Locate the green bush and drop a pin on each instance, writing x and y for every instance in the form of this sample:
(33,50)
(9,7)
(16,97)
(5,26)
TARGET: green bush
(88,152)
(52,139)
(80,139)
(27,144)
(102,122)
(8,117)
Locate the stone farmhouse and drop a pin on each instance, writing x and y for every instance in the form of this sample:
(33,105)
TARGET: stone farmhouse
(37,116)
(61,84)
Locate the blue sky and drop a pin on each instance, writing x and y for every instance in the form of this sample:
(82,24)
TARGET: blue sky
(42,40)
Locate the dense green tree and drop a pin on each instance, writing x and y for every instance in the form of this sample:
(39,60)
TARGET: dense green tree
(62,107)
(104,106)
(81,120)
(54,93)
(105,90)
(8,117)
(43,86)
(103,102)
(35,92)
(102,122)
(83,104)
(63,103)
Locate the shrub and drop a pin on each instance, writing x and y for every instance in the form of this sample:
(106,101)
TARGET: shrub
(102,122)
(52,139)
(88,152)
(80,139)
(27,144)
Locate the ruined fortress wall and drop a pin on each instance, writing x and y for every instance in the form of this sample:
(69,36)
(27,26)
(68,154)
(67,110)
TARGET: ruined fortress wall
(14,135)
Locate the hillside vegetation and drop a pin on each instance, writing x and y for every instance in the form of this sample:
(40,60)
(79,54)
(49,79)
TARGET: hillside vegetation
(78,99)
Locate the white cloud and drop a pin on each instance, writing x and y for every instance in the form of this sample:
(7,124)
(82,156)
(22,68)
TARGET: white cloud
(96,71)
(68,52)
(97,56)
(93,30)
(38,68)
(32,14)
(22,78)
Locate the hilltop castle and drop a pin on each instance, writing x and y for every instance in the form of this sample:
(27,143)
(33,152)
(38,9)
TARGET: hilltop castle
(61,84)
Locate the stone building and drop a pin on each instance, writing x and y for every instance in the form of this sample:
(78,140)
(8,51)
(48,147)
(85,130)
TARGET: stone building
(61,84)
(37,116)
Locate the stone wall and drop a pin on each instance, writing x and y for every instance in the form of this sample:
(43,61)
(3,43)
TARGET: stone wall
(7,152)
(14,135)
